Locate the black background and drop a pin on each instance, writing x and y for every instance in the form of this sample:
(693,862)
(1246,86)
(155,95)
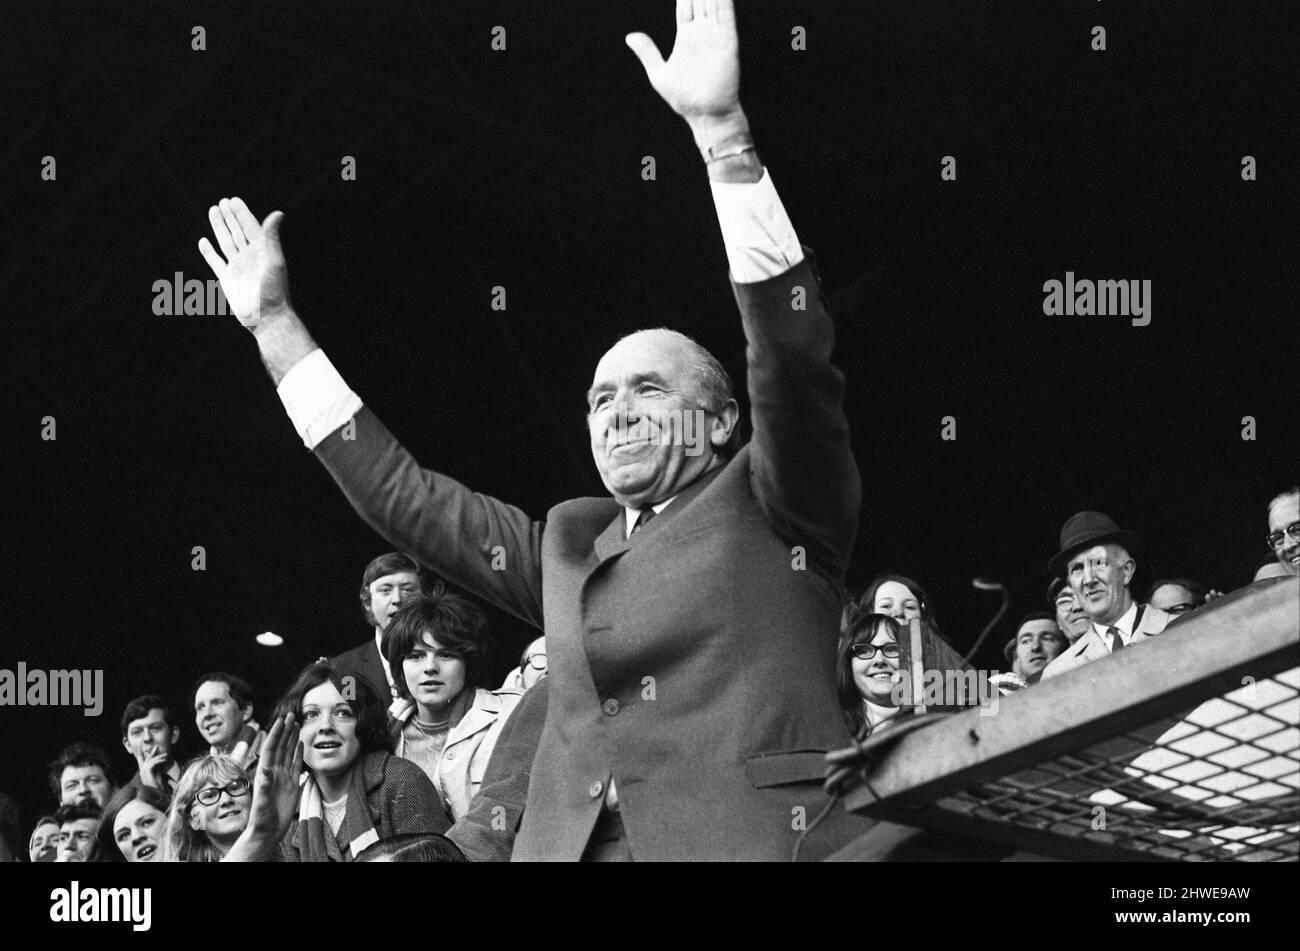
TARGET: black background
(523,169)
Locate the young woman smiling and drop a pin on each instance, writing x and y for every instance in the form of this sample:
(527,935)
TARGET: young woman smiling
(867,671)
(219,814)
(356,792)
(444,719)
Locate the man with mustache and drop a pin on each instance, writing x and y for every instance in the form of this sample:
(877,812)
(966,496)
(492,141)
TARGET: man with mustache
(1094,559)
(387,582)
(691,617)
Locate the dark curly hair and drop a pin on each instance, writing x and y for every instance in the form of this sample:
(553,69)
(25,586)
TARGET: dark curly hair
(372,717)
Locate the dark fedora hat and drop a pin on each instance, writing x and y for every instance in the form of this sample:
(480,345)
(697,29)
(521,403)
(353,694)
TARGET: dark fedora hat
(1085,529)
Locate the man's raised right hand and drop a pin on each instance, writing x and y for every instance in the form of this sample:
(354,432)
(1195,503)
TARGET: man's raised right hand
(255,281)
(252,273)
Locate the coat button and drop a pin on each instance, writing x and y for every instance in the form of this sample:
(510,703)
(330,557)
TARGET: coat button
(451,754)
(596,789)
(610,707)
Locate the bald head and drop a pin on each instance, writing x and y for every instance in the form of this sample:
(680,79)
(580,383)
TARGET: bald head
(660,414)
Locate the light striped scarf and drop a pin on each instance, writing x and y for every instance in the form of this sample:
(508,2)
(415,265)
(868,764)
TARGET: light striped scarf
(357,830)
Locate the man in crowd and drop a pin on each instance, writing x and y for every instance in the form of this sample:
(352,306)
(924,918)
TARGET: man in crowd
(1095,559)
(681,724)
(1284,529)
(223,713)
(149,734)
(1176,595)
(82,776)
(44,842)
(387,581)
(1037,643)
(1070,616)
(78,824)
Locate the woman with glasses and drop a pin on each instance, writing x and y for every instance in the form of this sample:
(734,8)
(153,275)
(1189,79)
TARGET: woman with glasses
(867,672)
(219,814)
(209,812)
(444,719)
(131,828)
(356,792)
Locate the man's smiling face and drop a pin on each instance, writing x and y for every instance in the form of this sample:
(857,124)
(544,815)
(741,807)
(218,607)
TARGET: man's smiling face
(1100,576)
(650,437)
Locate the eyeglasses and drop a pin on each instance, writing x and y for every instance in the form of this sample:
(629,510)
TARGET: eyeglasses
(1275,538)
(210,795)
(535,661)
(868,651)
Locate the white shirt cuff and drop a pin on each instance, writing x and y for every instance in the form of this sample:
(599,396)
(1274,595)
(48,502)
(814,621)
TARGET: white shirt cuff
(757,232)
(316,398)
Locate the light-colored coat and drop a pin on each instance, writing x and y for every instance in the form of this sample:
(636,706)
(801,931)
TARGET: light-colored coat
(469,746)
(1091,647)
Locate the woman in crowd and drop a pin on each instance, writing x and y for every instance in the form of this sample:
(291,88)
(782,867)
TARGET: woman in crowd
(44,842)
(209,812)
(220,815)
(444,720)
(899,597)
(867,672)
(356,792)
(131,828)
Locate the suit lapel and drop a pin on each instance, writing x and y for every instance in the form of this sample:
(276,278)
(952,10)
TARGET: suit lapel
(376,667)
(611,542)
(1093,646)
(614,541)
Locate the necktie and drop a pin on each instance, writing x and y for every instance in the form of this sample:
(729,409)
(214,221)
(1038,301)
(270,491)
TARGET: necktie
(1116,642)
(642,520)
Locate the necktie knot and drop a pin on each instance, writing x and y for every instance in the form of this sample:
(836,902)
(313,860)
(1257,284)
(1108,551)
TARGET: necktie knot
(642,520)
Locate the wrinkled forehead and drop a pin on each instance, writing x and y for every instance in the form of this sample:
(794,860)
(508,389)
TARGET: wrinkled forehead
(645,353)
(1114,554)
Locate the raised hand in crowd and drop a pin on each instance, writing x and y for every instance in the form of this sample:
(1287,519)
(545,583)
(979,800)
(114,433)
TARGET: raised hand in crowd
(275,794)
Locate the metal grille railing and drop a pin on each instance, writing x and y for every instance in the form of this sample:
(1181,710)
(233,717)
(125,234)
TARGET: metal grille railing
(1220,783)
(1184,748)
